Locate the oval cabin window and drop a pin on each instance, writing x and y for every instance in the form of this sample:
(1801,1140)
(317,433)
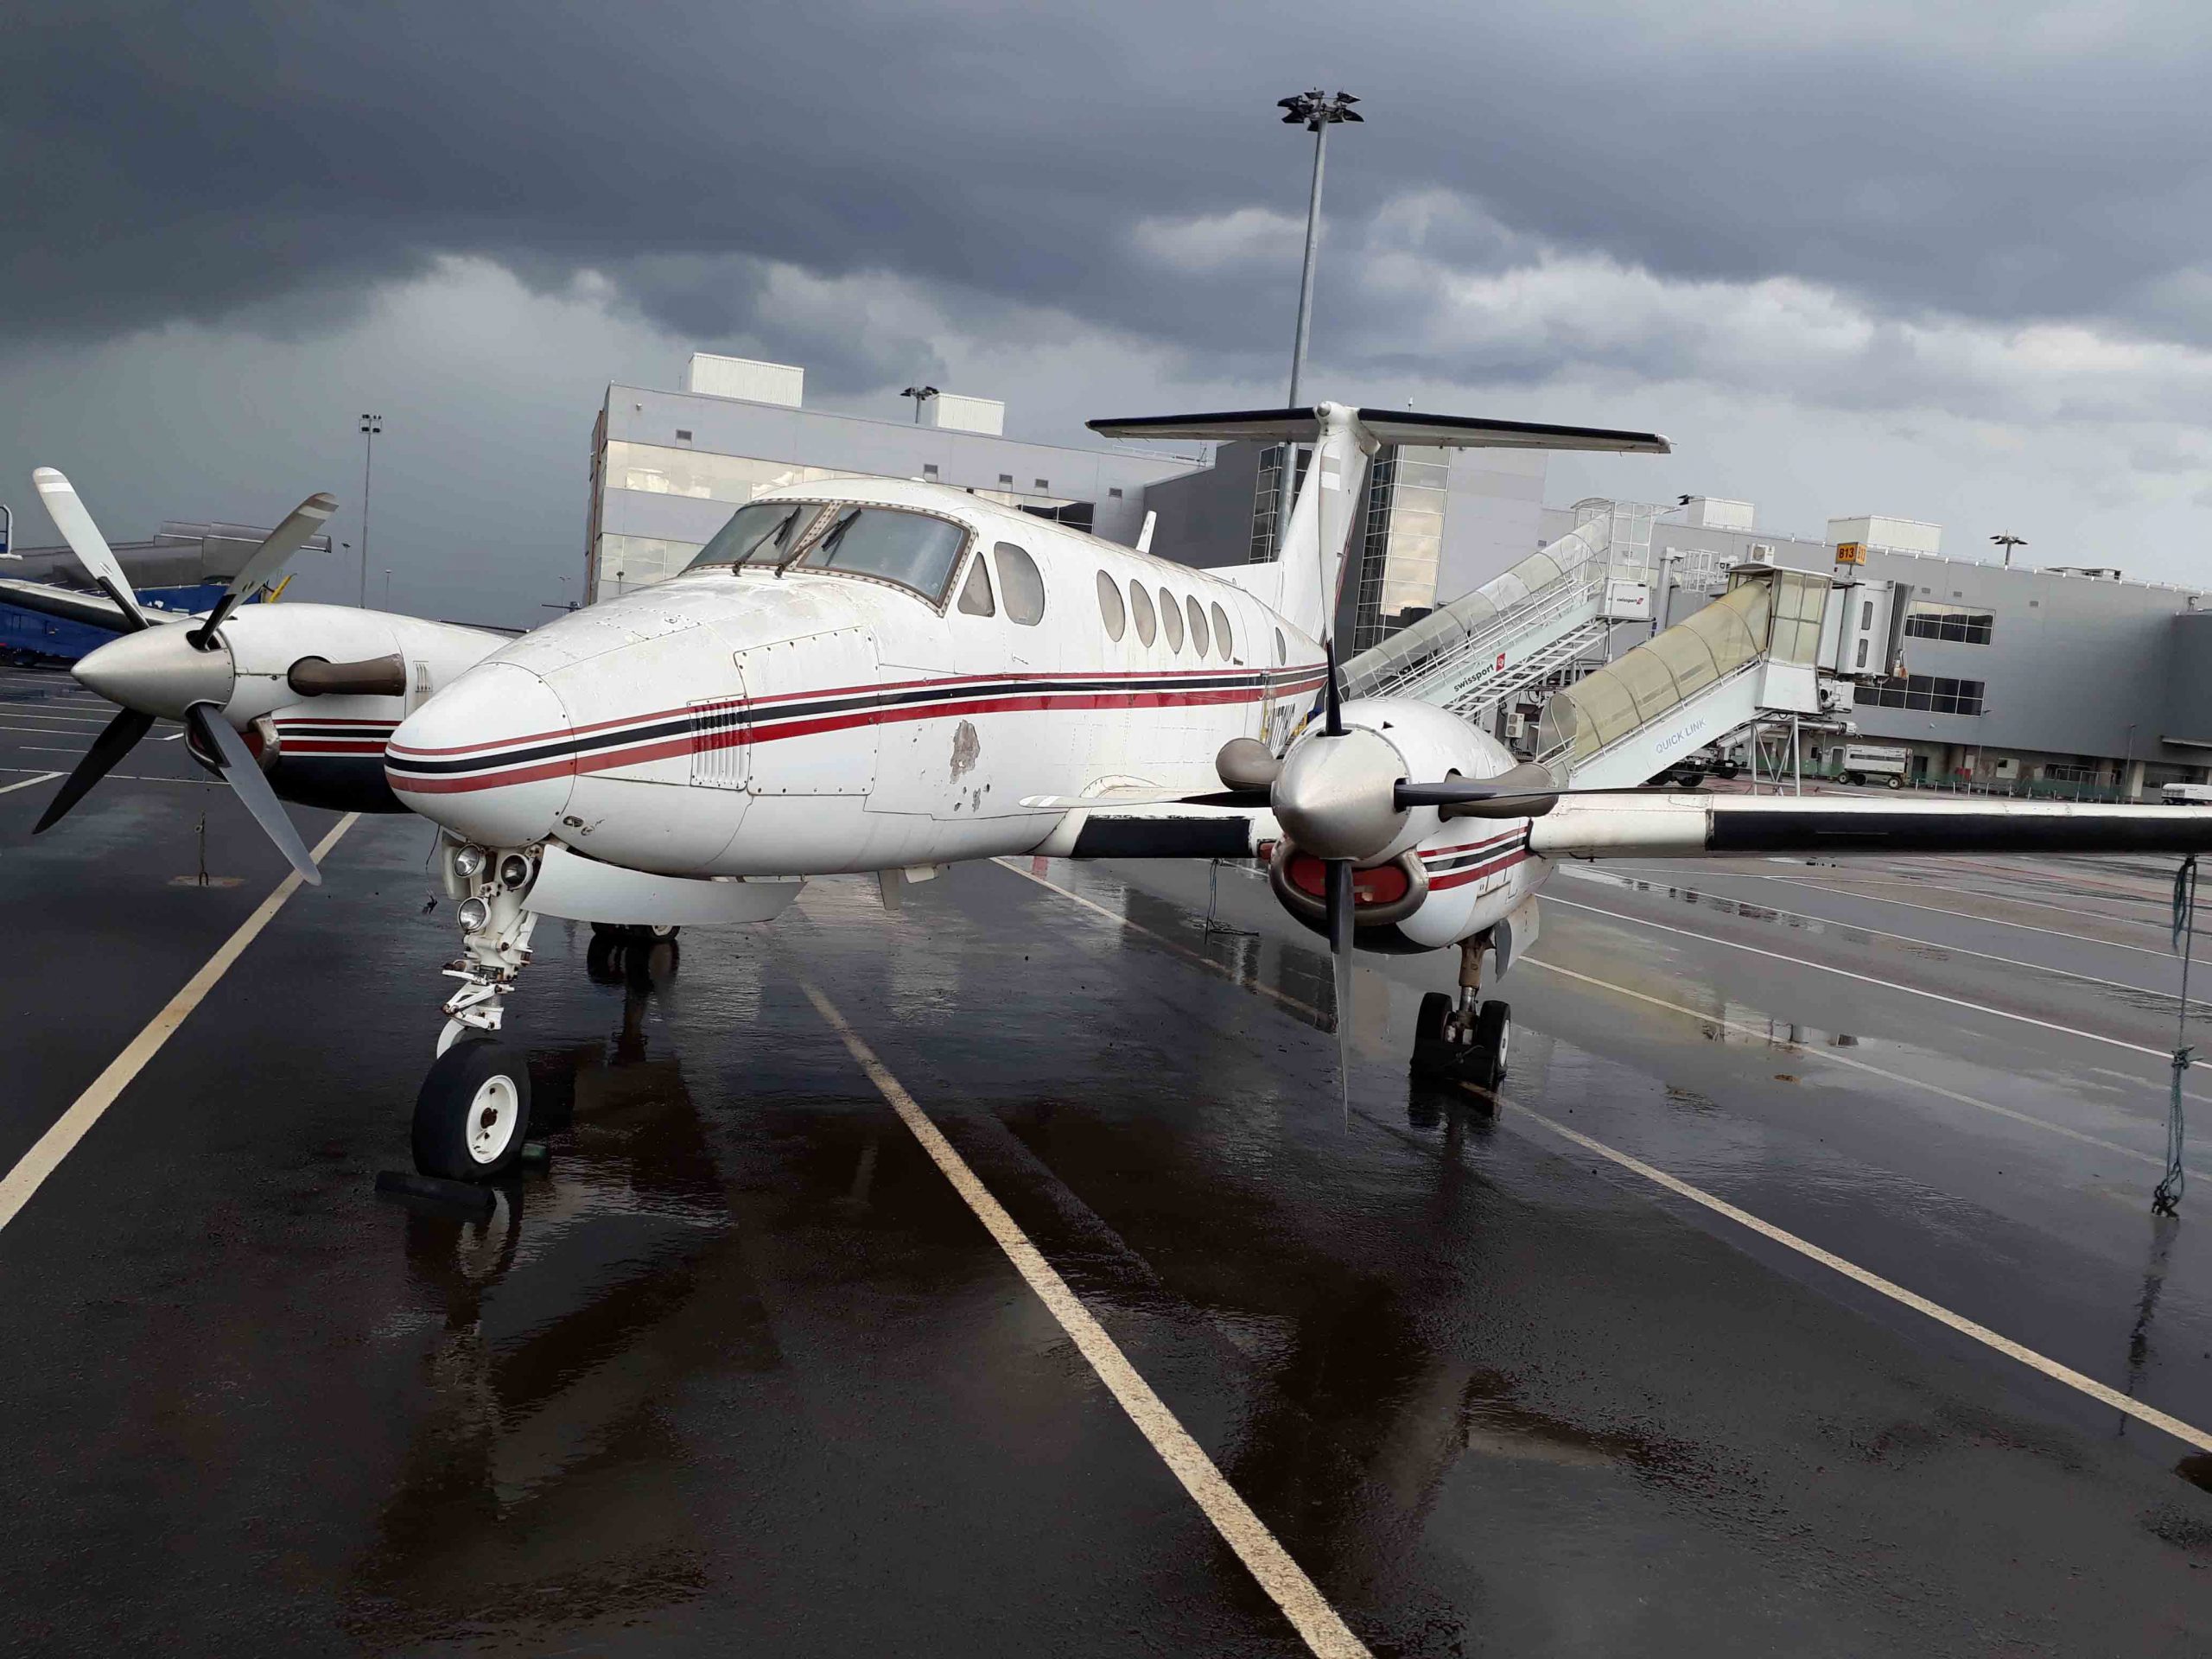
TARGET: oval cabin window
(1198,629)
(1109,607)
(1220,642)
(1140,603)
(1171,621)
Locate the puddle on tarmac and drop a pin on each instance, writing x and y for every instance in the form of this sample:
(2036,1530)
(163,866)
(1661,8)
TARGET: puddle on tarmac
(563,1323)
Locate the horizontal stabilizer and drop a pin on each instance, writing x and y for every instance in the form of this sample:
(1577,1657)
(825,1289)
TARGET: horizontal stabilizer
(1688,826)
(1385,426)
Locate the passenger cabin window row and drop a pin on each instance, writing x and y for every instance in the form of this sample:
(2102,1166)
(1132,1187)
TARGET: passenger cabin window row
(1167,618)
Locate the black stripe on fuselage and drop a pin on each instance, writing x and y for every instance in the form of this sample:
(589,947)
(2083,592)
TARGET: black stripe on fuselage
(734,713)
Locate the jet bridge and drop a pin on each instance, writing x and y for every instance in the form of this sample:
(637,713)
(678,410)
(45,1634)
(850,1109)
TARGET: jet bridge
(1777,642)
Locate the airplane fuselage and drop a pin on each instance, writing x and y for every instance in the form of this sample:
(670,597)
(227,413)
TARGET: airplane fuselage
(746,720)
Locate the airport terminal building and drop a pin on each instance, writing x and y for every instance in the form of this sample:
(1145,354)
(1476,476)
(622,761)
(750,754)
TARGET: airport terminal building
(668,467)
(2015,677)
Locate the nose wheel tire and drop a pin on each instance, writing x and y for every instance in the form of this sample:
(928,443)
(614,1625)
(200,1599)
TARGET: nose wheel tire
(473,1112)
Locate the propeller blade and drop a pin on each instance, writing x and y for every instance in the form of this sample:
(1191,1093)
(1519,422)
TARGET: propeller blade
(85,541)
(1339,901)
(266,560)
(1332,708)
(117,739)
(242,774)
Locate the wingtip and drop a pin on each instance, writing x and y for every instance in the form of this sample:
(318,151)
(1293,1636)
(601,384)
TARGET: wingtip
(49,480)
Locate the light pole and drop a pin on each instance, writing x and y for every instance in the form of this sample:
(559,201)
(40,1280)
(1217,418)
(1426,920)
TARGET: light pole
(1317,112)
(371,425)
(387,587)
(920,395)
(2008,542)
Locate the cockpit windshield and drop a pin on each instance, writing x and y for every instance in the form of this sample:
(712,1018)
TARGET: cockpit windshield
(765,532)
(913,550)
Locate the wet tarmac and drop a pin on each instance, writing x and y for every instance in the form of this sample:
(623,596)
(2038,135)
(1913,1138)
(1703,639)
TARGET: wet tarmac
(739,1370)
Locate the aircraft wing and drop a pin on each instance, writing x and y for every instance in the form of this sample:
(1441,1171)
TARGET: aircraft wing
(96,610)
(1103,828)
(1695,825)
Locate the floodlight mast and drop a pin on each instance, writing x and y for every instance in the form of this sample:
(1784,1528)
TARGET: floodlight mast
(2008,542)
(1317,111)
(920,395)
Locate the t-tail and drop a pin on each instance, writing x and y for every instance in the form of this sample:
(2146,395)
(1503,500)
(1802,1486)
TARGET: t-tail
(1302,582)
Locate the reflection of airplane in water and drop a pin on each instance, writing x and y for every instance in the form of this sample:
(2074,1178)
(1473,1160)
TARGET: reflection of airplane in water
(573,1314)
(872,675)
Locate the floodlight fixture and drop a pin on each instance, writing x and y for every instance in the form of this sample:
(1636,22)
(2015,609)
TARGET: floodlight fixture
(920,395)
(2008,542)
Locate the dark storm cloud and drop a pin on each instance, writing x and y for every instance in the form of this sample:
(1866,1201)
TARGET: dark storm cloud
(274,163)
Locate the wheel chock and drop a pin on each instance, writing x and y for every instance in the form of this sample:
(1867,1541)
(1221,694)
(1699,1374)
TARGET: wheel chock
(450,1195)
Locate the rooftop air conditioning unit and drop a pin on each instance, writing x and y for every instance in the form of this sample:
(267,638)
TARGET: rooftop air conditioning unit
(1761,553)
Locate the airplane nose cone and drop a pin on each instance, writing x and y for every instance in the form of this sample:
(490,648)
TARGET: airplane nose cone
(156,672)
(490,757)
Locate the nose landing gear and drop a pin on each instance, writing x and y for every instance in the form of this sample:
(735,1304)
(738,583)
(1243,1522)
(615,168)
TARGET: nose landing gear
(473,1112)
(1463,1039)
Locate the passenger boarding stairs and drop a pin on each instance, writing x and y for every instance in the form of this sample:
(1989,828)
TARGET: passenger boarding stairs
(1779,643)
(1548,619)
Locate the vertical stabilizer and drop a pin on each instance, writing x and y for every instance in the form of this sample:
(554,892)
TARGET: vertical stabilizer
(1310,558)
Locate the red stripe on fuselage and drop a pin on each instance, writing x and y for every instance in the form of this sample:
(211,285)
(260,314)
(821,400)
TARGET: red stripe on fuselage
(1461,878)
(668,748)
(1301,679)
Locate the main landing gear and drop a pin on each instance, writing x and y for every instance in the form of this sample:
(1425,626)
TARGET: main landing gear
(1463,1040)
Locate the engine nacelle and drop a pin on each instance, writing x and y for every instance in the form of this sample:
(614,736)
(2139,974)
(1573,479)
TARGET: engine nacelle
(325,747)
(1428,881)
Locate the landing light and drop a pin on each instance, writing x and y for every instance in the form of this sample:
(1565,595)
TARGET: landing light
(514,870)
(474,913)
(468,861)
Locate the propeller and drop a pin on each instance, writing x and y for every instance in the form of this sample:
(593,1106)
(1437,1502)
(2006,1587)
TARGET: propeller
(266,560)
(85,540)
(243,774)
(174,672)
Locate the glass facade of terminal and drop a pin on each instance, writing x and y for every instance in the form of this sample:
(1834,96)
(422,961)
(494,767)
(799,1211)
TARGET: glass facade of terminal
(620,562)
(1404,543)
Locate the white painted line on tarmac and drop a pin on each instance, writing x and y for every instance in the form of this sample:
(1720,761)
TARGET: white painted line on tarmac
(1981,1333)
(1863,979)
(1703,1016)
(60,1141)
(9,789)
(2002,899)
(1831,1057)
(1940,910)
(171,737)
(127,777)
(1242,1530)
(2050,1368)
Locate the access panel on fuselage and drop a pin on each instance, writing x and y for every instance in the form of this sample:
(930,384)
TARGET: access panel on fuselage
(811,707)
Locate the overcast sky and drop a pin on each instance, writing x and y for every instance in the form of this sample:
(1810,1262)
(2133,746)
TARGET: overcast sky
(1948,262)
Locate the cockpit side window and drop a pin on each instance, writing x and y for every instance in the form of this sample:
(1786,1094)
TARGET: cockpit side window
(911,549)
(975,592)
(1022,584)
(761,532)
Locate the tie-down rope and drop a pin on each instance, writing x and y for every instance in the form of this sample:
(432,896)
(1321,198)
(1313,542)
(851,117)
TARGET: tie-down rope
(2166,1200)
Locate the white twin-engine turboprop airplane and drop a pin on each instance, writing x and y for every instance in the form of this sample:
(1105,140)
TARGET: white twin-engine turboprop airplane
(863,675)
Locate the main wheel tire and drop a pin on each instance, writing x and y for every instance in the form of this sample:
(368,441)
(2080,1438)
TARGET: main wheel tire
(1493,1037)
(1428,1024)
(473,1112)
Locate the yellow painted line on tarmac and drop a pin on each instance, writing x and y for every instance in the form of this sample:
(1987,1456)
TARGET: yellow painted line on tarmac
(1242,1531)
(60,1141)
